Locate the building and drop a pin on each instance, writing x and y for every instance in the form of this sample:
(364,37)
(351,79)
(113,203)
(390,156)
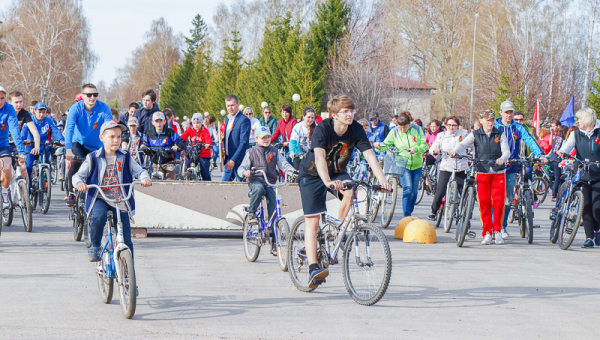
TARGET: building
(413,96)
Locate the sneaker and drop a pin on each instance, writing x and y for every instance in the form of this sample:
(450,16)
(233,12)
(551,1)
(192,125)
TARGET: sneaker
(252,218)
(6,202)
(597,237)
(93,254)
(504,233)
(431,217)
(487,239)
(498,238)
(535,205)
(317,277)
(553,198)
(274,250)
(589,243)
(71,201)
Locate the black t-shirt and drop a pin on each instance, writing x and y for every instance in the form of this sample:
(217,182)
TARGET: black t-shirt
(338,149)
(24,117)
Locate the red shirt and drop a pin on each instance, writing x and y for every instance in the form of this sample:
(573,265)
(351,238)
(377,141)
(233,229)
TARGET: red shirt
(284,129)
(198,137)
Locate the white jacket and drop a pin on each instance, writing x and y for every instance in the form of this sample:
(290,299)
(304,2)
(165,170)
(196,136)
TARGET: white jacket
(445,142)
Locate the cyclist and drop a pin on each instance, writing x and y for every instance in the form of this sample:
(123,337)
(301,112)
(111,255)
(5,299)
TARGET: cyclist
(82,134)
(263,157)
(324,166)
(161,137)
(119,168)
(407,136)
(43,124)
(585,142)
(24,118)
(199,135)
(489,143)
(8,118)
(171,122)
(515,133)
(301,136)
(134,141)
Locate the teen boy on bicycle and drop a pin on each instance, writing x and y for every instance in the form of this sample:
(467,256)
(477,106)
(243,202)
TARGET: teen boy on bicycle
(324,166)
(108,166)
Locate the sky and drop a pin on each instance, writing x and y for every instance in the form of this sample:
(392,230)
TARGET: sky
(118,26)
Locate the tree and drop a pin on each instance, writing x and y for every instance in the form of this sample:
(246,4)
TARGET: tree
(593,98)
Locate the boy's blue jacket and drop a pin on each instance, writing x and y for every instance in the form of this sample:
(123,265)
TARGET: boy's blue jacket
(83,127)
(43,127)
(92,172)
(514,133)
(8,121)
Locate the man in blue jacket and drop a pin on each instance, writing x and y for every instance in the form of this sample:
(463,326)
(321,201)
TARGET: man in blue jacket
(82,133)
(43,124)
(377,127)
(237,138)
(515,133)
(144,113)
(8,122)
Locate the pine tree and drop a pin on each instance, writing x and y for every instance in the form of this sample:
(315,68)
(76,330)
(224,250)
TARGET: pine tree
(503,92)
(594,95)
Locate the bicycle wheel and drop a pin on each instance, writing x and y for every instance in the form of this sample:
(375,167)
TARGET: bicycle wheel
(571,220)
(252,240)
(54,169)
(422,186)
(33,195)
(283,232)
(105,282)
(450,205)
(528,216)
(389,202)
(127,286)
(85,225)
(7,217)
(556,215)
(25,204)
(45,193)
(296,255)
(540,188)
(367,264)
(374,200)
(77,227)
(440,213)
(465,217)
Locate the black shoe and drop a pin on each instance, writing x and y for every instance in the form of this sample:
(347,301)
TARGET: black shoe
(431,217)
(317,277)
(71,201)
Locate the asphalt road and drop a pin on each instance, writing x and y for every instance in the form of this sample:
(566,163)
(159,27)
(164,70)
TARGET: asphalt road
(203,287)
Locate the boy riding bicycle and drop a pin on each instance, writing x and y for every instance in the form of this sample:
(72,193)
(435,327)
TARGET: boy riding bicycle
(263,157)
(108,166)
(324,168)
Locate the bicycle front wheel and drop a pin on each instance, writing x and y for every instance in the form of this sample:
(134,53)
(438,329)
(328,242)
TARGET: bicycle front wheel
(389,202)
(367,264)
(450,206)
(466,213)
(422,186)
(571,220)
(25,204)
(127,286)
(45,192)
(556,214)
(283,232)
(528,216)
(296,255)
(7,216)
(373,202)
(540,188)
(252,240)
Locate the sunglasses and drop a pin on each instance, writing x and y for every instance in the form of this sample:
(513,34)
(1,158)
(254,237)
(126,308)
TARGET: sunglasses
(519,120)
(373,119)
(89,95)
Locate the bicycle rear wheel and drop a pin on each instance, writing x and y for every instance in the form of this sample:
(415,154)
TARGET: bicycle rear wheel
(571,220)
(252,240)
(422,186)
(296,255)
(440,214)
(128,284)
(466,212)
(7,216)
(25,204)
(540,187)
(46,190)
(283,232)
(367,264)
(450,206)
(528,216)
(389,202)
(105,282)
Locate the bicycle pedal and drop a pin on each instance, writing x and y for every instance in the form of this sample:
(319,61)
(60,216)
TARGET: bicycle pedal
(471,234)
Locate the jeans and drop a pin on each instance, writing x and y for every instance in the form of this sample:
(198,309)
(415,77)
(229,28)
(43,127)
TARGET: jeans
(410,188)
(99,217)
(215,150)
(257,191)
(205,168)
(228,176)
(510,190)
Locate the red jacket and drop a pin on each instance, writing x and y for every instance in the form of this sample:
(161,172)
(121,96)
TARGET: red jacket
(284,129)
(198,137)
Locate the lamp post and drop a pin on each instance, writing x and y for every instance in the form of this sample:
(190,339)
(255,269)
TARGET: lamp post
(206,114)
(264,104)
(473,68)
(295,98)
(159,88)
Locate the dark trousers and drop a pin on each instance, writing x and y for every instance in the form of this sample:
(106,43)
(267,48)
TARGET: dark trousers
(99,217)
(591,208)
(442,185)
(79,151)
(557,181)
(205,168)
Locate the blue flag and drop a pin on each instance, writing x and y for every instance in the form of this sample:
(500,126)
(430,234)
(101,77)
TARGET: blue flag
(568,117)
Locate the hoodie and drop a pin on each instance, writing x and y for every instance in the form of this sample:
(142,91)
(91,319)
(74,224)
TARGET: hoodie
(144,117)
(515,133)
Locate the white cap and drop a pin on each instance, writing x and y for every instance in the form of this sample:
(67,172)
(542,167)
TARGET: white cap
(111,124)
(507,105)
(158,115)
(197,117)
(262,131)
(3,90)
(133,121)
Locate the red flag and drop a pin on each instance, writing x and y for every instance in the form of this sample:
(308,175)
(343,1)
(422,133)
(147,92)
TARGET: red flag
(536,117)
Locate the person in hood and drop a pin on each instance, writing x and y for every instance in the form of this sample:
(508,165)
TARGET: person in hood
(144,114)
(515,134)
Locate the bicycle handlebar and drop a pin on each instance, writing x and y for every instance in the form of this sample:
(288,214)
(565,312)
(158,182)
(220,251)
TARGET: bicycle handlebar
(254,171)
(354,185)
(118,200)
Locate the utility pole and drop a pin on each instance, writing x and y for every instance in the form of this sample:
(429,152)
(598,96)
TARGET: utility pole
(473,68)
(159,88)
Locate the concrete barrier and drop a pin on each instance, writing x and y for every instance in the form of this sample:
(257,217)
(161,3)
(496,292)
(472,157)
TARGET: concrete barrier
(206,205)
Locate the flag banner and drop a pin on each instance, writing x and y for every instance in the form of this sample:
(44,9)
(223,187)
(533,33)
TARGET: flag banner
(568,117)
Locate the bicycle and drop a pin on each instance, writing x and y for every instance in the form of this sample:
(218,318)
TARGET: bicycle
(41,187)
(116,260)
(448,209)
(77,214)
(467,201)
(556,213)
(428,180)
(360,248)
(256,235)
(61,169)
(394,166)
(19,196)
(155,156)
(541,184)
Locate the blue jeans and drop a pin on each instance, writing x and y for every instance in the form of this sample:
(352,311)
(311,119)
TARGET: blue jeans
(410,188)
(510,191)
(205,168)
(99,217)
(257,191)
(215,149)
(228,176)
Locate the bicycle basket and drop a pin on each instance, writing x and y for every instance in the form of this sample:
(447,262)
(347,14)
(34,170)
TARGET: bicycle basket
(394,164)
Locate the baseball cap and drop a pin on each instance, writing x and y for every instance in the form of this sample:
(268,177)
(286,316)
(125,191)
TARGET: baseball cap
(487,115)
(158,115)
(111,124)
(507,105)
(132,121)
(262,131)
(197,117)
(40,106)
(78,97)
(3,90)
(373,114)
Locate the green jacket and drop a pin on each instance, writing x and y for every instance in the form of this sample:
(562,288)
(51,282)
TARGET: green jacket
(271,124)
(413,138)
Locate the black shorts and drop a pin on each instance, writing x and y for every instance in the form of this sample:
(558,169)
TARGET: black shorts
(313,193)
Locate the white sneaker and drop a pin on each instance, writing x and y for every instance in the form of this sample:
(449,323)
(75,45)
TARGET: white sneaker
(487,239)
(504,233)
(499,238)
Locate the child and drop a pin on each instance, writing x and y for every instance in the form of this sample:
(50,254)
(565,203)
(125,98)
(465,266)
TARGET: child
(264,157)
(132,144)
(106,166)
(162,137)
(198,135)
